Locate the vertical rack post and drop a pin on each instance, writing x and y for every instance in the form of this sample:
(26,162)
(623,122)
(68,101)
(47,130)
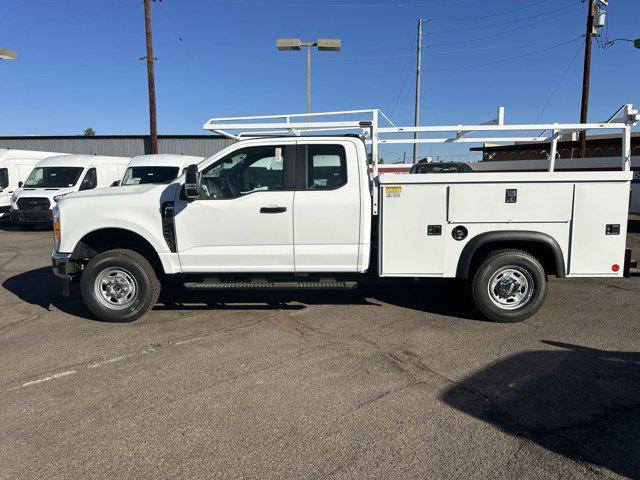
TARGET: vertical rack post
(553,150)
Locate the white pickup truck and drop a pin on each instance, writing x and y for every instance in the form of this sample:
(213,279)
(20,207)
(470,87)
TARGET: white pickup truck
(304,211)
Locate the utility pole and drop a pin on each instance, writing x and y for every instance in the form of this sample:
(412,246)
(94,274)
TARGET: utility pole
(416,115)
(585,79)
(153,129)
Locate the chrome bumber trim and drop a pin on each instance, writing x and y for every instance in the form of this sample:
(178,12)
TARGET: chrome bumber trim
(62,266)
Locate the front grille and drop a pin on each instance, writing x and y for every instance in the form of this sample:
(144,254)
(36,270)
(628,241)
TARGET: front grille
(33,204)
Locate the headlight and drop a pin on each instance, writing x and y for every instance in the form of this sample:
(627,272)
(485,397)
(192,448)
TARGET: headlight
(57,198)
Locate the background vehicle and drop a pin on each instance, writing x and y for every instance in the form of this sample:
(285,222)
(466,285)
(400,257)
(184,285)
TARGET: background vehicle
(303,212)
(15,167)
(441,167)
(159,168)
(54,177)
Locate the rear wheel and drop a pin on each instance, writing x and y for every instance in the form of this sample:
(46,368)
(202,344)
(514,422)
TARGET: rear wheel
(119,286)
(509,286)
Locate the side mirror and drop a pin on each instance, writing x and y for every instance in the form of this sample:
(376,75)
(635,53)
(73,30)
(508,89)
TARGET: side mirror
(192,182)
(20,184)
(116,183)
(86,185)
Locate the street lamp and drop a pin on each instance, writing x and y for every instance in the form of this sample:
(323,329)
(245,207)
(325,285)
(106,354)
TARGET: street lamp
(6,54)
(636,43)
(323,44)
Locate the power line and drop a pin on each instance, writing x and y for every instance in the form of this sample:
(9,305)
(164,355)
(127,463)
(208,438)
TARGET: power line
(505,31)
(490,15)
(508,59)
(347,5)
(555,89)
(523,19)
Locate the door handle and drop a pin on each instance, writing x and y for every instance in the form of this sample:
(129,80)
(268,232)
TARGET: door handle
(273,209)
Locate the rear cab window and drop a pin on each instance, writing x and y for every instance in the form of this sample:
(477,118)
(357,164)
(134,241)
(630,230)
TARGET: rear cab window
(326,167)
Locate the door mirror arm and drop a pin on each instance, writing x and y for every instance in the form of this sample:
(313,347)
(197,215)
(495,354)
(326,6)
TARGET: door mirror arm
(192,183)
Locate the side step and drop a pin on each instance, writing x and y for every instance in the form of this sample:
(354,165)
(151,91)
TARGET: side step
(267,285)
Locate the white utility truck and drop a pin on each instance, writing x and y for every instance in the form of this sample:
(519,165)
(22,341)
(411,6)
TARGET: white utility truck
(54,177)
(15,167)
(156,168)
(296,210)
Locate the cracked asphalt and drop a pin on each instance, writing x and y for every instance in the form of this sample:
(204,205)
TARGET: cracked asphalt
(393,381)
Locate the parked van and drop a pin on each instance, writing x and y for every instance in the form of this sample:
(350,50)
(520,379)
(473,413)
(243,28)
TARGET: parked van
(157,169)
(15,167)
(54,177)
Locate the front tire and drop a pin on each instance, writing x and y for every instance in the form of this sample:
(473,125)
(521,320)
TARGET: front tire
(509,286)
(119,286)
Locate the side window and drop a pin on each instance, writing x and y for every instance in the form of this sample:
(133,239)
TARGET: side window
(326,167)
(252,169)
(90,180)
(4,178)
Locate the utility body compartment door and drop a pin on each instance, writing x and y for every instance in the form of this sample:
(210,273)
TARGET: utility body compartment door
(510,202)
(594,250)
(412,230)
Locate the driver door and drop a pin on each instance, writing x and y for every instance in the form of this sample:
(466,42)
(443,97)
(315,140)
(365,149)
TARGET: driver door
(243,220)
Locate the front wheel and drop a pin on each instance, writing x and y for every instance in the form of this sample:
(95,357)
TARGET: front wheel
(509,286)
(119,286)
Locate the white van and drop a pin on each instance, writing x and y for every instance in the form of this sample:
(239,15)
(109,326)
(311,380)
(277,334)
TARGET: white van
(156,169)
(54,177)
(15,167)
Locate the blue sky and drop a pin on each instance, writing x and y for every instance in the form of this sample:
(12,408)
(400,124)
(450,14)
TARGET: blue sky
(79,66)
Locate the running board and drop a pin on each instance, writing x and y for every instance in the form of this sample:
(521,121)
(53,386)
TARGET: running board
(266,285)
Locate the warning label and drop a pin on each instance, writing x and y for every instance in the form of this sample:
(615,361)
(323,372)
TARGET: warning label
(393,191)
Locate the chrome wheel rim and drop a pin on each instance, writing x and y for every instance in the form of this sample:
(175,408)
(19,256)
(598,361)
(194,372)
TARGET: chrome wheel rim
(116,288)
(510,288)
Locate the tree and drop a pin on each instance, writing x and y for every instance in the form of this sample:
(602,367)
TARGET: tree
(89,132)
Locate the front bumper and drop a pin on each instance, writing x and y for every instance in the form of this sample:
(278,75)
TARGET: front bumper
(65,268)
(31,218)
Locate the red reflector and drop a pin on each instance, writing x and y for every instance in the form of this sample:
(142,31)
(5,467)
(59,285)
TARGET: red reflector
(615,267)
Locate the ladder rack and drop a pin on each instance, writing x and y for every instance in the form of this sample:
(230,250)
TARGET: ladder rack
(367,123)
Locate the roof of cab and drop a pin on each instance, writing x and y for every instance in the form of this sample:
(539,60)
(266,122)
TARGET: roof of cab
(164,160)
(7,154)
(81,161)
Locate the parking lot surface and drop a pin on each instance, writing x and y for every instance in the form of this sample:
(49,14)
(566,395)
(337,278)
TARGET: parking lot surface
(401,380)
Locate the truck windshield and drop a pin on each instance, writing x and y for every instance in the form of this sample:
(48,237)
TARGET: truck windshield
(4,178)
(53,177)
(140,175)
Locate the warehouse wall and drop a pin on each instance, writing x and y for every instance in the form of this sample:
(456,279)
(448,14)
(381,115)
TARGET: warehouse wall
(120,145)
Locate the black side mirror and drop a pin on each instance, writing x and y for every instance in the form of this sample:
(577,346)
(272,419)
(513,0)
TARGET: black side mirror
(20,184)
(192,182)
(86,185)
(116,183)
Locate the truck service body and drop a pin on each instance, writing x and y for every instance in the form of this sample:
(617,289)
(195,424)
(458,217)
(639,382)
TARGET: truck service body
(54,177)
(303,211)
(15,167)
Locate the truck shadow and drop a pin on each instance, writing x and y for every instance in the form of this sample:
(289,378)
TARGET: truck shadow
(576,401)
(40,287)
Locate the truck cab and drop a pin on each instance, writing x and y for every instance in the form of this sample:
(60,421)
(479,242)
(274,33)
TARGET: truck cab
(54,177)
(15,167)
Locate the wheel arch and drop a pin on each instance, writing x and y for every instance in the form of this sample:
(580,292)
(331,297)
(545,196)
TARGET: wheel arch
(541,245)
(100,240)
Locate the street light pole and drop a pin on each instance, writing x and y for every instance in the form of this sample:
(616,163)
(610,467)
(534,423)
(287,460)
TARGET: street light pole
(323,44)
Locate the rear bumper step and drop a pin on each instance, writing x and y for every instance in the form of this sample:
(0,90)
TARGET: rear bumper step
(320,285)
(628,263)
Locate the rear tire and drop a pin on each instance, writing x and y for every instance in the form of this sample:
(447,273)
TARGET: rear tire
(509,286)
(119,286)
